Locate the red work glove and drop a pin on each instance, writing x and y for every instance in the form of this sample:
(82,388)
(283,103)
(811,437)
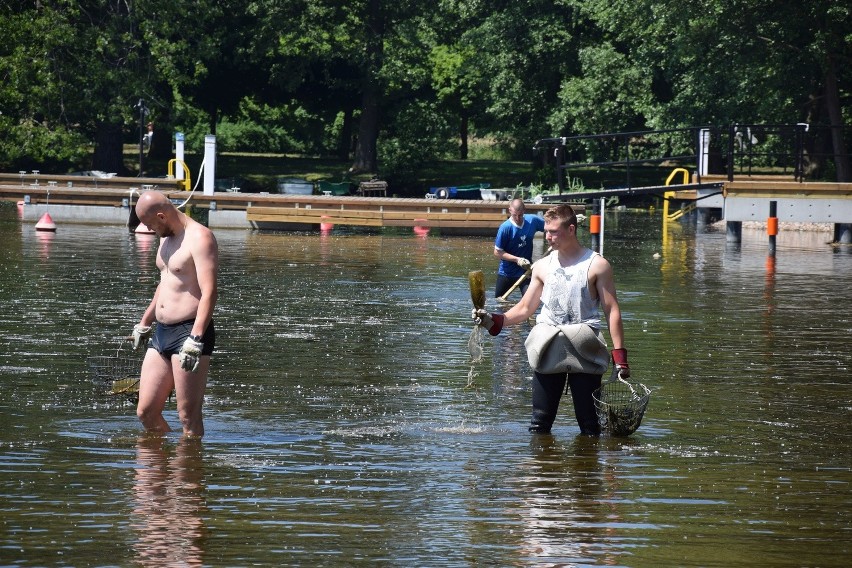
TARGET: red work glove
(619,357)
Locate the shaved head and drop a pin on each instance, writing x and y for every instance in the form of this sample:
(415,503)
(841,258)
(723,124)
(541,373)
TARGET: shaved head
(151,203)
(158,213)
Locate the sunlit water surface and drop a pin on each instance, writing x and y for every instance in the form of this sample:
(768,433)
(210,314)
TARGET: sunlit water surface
(347,426)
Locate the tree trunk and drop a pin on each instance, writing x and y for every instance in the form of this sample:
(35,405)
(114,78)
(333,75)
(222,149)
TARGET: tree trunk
(366,154)
(214,120)
(463,134)
(812,161)
(835,117)
(344,144)
(109,150)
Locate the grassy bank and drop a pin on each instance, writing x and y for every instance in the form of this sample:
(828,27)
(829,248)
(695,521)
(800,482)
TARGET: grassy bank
(259,172)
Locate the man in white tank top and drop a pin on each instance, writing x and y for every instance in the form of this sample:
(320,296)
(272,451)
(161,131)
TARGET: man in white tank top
(570,284)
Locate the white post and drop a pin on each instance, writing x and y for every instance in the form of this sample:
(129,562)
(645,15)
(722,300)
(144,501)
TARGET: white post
(209,164)
(179,155)
(603,216)
(704,148)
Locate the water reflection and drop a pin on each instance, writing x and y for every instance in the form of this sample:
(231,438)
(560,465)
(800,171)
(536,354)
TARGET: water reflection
(342,432)
(45,240)
(145,244)
(566,502)
(169,497)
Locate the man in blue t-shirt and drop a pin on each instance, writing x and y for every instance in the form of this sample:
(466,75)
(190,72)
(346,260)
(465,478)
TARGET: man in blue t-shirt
(514,246)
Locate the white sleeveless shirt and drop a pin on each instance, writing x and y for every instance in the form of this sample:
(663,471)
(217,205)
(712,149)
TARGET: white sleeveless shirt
(565,298)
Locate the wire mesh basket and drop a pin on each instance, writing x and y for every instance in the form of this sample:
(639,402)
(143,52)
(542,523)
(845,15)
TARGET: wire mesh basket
(620,405)
(117,374)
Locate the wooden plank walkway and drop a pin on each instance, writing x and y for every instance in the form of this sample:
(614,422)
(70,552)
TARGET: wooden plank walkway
(284,211)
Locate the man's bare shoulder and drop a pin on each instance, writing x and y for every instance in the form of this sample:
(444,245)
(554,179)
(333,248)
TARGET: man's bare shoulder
(200,232)
(600,273)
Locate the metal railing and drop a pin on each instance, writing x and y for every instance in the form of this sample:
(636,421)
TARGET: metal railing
(798,150)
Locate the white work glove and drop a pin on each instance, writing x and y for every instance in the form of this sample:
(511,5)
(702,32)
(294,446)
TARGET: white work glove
(190,354)
(522,262)
(141,335)
(493,323)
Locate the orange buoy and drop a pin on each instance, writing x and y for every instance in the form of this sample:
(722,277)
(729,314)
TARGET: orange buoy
(421,230)
(326,227)
(46,223)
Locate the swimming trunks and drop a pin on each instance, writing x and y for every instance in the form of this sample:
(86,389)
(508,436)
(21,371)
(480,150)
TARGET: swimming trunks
(169,338)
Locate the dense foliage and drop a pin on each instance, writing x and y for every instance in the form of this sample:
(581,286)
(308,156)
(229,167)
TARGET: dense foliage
(391,85)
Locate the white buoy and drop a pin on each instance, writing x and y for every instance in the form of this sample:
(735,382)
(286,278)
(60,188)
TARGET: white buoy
(45,223)
(143,229)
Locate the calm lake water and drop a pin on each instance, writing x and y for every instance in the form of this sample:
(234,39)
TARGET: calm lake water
(346,425)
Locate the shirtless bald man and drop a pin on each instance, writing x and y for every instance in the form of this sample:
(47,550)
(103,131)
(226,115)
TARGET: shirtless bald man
(179,354)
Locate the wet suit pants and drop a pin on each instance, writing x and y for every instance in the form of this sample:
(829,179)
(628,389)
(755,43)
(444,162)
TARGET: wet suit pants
(547,391)
(504,283)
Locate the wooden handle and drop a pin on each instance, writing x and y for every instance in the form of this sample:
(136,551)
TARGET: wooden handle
(516,284)
(523,276)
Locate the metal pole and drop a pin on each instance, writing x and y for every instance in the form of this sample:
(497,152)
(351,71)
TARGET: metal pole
(595,225)
(603,210)
(142,112)
(731,153)
(559,154)
(772,226)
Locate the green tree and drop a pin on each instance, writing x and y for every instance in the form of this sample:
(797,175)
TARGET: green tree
(335,52)
(715,62)
(523,49)
(458,87)
(71,73)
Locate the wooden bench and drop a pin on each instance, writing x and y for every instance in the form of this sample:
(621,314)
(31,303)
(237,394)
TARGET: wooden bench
(373,188)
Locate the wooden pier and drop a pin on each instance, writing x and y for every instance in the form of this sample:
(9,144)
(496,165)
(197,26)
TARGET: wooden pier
(86,200)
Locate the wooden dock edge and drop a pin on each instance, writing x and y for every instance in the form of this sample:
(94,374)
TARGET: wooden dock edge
(279,211)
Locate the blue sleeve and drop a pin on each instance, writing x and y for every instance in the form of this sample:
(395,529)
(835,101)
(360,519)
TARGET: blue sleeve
(502,237)
(537,222)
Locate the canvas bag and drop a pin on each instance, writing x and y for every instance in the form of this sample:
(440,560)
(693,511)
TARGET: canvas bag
(572,348)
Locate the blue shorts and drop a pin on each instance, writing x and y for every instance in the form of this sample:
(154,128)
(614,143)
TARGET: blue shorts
(169,338)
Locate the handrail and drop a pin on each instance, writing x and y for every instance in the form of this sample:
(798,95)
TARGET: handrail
(669,194)
(675,171)
(187,185)
(681,212)
(735,149)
